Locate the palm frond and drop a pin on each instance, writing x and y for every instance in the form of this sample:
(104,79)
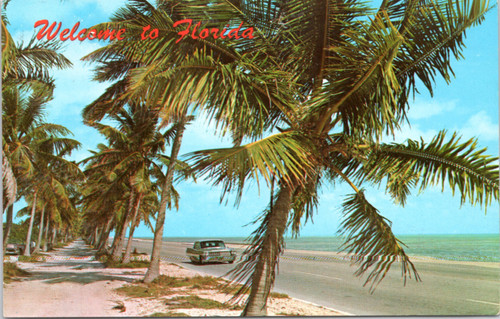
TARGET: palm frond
(305,203)
(265,247)
(370,240)
(444,24)
(284,155)
(34,60)
(459,164)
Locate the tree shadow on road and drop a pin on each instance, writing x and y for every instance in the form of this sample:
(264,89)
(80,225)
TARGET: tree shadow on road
(84,278)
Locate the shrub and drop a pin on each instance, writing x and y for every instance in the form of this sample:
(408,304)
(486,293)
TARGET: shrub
(187,302)
(162,286)
(110,262)
(32,259)
(169,314)
(278,295)
(12,271)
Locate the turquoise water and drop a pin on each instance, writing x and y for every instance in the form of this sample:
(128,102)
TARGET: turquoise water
(448,247)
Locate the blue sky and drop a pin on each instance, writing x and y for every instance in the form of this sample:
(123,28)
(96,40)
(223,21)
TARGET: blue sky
(469,105)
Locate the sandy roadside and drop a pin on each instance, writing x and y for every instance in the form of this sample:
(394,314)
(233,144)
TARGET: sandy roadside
(70,284)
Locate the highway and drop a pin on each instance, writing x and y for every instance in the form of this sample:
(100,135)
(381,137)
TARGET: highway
(447,288)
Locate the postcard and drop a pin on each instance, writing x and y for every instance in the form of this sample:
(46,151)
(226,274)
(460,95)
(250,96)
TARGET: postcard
(192,158)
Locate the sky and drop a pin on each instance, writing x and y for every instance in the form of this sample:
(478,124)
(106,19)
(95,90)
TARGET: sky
(469,106)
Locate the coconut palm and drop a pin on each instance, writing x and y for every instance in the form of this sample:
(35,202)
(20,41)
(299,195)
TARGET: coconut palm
(31,62)
(132,147)
(133,158)
(240,103)
(357,69)
(28,141)
(102,202)
(25,66)
(148,207)
(51,187)
(333,78)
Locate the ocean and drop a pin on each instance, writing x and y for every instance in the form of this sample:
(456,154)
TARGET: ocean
(484,247)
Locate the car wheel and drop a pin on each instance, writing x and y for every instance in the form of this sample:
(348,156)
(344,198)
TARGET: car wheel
(200,261)
(231,261)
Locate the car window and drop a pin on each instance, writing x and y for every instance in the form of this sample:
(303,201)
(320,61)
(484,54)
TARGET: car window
(212,244)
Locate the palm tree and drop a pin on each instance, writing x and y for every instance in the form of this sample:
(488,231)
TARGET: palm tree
(134,158)
(23,66)
(239,102)
(332,78)
(51,187)
(148,207)
(102,202)
(358,67)
(27,140)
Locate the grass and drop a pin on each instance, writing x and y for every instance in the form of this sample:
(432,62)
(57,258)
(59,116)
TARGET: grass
(169,314)
(202,282)
(59,245)
(233,288)
(11,272)
(163,285)
(192,301)
(32,259)
(110,263)
(278,295)
(290,314)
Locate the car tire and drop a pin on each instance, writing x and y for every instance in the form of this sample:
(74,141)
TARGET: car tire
(231,261)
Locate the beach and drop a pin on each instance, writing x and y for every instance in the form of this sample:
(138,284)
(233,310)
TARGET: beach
(70,283)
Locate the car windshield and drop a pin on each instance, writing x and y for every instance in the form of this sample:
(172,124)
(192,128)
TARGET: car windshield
(212,244)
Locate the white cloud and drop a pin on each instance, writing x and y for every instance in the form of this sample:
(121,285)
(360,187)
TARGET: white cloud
(200,135)
(413,132)
(423,109)
(481,125)
(75,89)
(110,6)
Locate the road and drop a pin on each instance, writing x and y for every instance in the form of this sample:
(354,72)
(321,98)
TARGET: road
(447,288)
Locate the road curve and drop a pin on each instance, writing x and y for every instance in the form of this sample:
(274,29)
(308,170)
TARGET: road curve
(447,288)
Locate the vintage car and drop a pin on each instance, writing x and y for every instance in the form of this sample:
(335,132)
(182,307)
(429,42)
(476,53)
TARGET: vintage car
(16,249)
(208,251)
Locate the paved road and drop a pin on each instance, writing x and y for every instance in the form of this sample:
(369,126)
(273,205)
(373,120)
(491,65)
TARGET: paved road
(448,288)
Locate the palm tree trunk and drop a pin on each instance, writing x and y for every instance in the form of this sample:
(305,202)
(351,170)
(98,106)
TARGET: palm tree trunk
(27,248)
(53,241)
(96,236)
(128,250)
(40,231)
(118,231)
(8,226)
(265,269)
(103,238)
(118,248)
(46,234)
(154,266)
